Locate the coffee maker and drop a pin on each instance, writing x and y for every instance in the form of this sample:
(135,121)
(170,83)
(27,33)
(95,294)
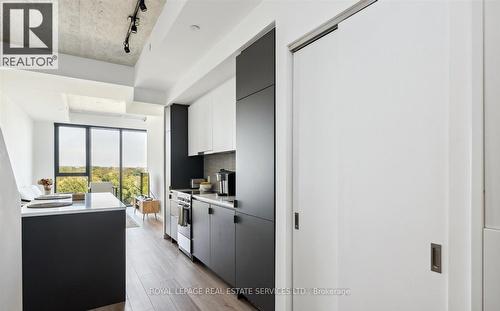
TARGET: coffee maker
(227,183)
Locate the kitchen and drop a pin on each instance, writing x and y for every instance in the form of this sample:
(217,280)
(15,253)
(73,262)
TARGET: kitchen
(219,163)
(314,155)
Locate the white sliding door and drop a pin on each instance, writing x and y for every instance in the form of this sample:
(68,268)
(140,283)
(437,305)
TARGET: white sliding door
(370,160)
(316,171)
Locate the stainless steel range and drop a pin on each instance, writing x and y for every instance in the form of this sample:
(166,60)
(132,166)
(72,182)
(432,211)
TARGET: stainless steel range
(184,222)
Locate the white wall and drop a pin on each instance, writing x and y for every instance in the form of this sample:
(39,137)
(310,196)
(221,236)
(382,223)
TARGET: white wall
(10,212)
(466,156)
(17,127)
(43,150)
(155,156)
(10,236)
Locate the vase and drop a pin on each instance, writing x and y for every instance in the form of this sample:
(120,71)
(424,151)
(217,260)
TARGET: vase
(47,190)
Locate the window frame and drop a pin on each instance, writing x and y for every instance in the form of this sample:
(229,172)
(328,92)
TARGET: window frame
(88,151)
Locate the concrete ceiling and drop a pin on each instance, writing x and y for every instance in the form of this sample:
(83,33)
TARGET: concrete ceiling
(96,29)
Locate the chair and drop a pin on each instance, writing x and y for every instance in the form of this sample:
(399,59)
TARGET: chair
(99,187)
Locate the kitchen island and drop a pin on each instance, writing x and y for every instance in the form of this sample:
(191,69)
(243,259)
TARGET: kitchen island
(74,256)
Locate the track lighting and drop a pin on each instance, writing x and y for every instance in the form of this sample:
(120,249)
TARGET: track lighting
(133,23)
(126,47)
(142,6)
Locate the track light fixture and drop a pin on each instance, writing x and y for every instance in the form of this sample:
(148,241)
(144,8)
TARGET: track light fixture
(133,23)
(126,46)
(142,5)
(133,28)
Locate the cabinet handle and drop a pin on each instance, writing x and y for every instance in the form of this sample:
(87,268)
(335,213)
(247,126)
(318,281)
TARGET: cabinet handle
(296,221)
(235,203)
(210,211)
(235,219)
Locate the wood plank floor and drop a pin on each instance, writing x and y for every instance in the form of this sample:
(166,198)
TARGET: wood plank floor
(160,277)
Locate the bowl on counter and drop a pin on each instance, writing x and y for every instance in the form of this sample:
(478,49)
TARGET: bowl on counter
(205,186)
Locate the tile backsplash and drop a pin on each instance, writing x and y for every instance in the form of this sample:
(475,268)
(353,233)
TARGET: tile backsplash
(214,162)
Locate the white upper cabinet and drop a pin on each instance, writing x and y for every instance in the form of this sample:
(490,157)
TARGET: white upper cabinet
(200,126)
(212,121)
(224,117)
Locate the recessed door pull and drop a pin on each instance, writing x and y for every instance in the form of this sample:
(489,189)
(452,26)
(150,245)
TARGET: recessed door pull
(436,258)
(296,220)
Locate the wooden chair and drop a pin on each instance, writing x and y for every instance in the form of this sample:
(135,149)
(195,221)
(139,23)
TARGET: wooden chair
(146,206)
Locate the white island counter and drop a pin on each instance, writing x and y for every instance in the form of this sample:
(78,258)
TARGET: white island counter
(94,202)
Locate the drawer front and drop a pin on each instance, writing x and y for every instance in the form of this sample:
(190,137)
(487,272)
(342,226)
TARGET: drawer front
(201,231)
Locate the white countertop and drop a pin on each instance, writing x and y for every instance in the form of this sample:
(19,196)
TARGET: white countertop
(213,198)
(94,202)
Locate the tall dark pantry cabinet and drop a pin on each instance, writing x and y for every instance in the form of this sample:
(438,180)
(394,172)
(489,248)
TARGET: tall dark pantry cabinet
(255,167)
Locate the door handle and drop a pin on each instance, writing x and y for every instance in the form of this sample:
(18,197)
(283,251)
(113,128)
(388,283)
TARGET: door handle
(436,257)
(296,220)
(210,211)
(235,219)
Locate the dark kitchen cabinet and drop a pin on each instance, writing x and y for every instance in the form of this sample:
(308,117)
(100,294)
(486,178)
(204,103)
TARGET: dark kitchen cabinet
(201,231)
(255,258)
(182,166)
(255,167)
(222,235)
(255,66)
(255,156)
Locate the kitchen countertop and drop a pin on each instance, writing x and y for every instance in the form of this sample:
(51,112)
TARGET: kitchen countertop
(209,197)
(213,198)
(94,202)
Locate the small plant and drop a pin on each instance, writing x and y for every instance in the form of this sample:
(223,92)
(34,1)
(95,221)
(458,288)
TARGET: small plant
(46,183)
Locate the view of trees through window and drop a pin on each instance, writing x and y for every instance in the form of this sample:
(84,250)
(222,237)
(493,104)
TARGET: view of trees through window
(72,184)
(105,160)
(134,163)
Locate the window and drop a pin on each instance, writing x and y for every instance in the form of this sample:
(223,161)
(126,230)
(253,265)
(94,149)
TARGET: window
(73,157)
(105,156)
(134,163)
(87,153)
